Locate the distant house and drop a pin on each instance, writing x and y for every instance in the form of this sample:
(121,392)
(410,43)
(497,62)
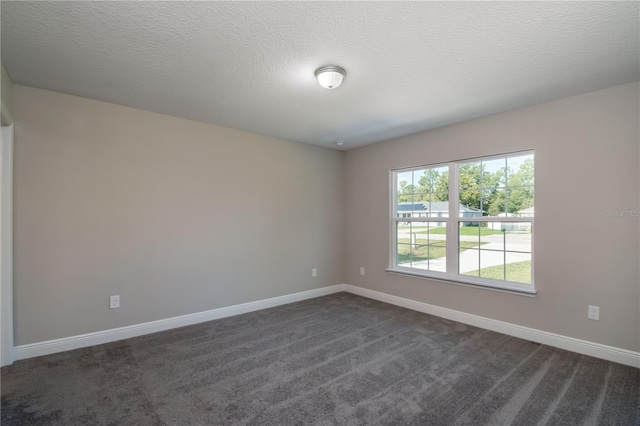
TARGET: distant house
(433,209)
(526,212)
(513,226)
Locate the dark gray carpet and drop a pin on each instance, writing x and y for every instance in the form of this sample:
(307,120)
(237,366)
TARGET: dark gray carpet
(334,360)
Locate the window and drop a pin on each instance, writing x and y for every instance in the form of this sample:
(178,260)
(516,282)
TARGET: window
(469,221)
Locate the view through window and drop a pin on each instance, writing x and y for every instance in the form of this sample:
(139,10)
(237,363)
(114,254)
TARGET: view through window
(488,238)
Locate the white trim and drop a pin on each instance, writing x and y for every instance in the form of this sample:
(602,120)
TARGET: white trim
(393,225)
(451,246)
(453,221)
(90,339)
(497,219)
(6,245)
(464,281)
(597,350)
(471,281)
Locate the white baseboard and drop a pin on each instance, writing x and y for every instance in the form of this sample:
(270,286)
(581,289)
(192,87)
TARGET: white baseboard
(90,339)
(597,350)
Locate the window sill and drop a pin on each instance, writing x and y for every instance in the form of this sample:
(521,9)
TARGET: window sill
(470,283)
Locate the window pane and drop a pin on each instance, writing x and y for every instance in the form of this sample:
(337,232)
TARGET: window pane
(468,261)
(405,186)
(437,239)
(429,250)
(486,197)
(518,267)
(420,255)
(404,207)
(404,179)
(492,264)
(491,238)
(425,180)
(406,244)
(491,260)
(419,239)
(438,253)
(469,175)
(403,230)
(442,197)
(439,209)
(441,178)
(403,255)
(470,203)
(520,170)
(468,243)
(519,199)
(409,207)
(527,212)
(421,197)
(493,173)
(518,237)
(420,231)
(470,233)
(494,204)
(421,245)
(437,232)
(494,187)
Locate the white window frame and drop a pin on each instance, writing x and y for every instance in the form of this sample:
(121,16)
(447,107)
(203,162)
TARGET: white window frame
(452,231)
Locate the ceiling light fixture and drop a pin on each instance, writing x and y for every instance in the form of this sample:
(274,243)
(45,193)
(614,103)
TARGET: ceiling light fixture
(330,76)
(339,142)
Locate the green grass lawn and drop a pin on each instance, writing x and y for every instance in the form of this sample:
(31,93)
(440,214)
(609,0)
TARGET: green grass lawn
(426,251)
(518,272)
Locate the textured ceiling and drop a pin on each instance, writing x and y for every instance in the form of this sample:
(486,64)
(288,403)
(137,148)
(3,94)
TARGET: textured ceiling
(411,66)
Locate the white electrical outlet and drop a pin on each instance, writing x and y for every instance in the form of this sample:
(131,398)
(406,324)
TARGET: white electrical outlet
(362,270)
(593,312)
(114,301)
(314,272)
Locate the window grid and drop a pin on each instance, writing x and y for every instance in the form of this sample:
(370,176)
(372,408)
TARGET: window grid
(500,255)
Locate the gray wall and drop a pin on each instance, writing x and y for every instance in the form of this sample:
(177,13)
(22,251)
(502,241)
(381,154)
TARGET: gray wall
(587,161)
(173,215)
(178,216)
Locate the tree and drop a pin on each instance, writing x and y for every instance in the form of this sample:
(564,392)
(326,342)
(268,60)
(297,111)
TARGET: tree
(517,195)
(406,191)
(442,187)
(469,184)
(427,181)
(520,187)
(483,185)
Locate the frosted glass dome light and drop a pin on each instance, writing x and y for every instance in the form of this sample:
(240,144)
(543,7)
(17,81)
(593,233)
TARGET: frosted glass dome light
(330,76)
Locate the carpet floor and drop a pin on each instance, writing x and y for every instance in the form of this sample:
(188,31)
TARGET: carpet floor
(335,360)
